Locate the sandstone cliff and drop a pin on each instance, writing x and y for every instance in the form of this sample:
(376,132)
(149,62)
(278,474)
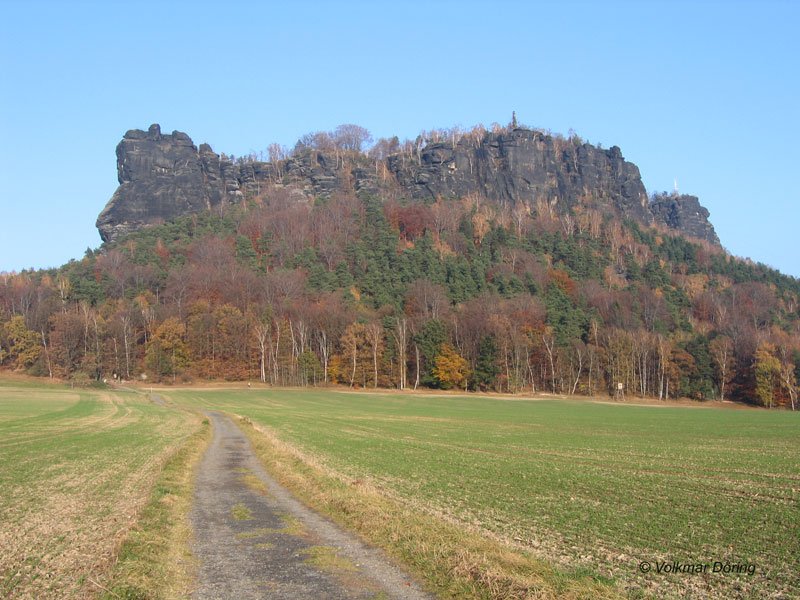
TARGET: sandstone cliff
(163,176)
(685,214)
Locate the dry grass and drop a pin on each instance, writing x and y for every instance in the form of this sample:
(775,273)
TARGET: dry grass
(254,483)
(256,533)
(291,526)
(325,558)
(241,513)
(75,472)
(155,561)
(453,561)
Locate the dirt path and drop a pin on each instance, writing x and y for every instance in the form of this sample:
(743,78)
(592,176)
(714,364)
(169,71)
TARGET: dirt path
(254,540)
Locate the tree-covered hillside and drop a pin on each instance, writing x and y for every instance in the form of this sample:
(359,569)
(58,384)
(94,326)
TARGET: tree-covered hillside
(457,293)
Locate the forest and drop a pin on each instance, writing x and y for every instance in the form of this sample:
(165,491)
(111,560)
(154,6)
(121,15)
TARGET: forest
(366,292)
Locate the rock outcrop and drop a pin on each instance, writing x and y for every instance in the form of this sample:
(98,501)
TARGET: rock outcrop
(163,176)
(525,165)
(685,214)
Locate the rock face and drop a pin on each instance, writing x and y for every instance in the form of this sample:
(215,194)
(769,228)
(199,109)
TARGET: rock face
(165,176)
(524,165)
(161,177)
(685,214)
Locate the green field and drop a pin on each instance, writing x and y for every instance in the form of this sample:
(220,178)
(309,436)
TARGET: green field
(76,467)
(594,487)
(589,488)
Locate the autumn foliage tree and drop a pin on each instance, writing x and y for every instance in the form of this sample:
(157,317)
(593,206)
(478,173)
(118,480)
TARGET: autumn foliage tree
(23,346)
(767,374)
(166,352)
(450,368)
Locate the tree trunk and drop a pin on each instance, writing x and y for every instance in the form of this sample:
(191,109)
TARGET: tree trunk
(47,355)
(323,350)
(355,355)
(416,350)
(580,369)
(261,337)
(375,361)
(549,348)
(125,324)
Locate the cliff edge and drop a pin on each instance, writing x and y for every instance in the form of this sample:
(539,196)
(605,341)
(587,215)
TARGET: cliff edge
(164,176)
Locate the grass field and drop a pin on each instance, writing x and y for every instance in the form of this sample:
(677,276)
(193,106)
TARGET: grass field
(76,467)
(595,487)
(587,488)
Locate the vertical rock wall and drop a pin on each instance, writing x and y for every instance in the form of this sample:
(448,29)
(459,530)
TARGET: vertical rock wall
(164,176)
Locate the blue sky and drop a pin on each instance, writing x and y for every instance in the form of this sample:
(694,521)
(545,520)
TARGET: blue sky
(705,92)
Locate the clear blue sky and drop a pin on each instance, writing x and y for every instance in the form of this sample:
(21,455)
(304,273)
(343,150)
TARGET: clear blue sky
(705,92)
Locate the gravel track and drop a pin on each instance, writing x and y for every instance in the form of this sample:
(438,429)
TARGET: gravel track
(253,539)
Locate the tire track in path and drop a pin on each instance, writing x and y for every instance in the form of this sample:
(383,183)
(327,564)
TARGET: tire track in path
(254,540)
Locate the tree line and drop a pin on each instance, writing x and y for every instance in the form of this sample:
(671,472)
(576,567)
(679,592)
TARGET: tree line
(460,293)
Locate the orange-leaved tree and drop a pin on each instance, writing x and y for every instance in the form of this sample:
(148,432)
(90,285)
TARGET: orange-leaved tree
(450,368)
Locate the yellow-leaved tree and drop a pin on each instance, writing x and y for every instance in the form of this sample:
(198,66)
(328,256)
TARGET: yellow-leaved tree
(767,372)
(24,344)
(166,351)
(450,368)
